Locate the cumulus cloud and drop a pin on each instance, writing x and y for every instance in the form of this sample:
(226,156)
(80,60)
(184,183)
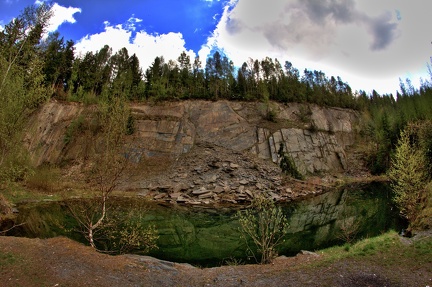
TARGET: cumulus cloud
(368,43)
(61,15)
(146,46)
(383,31)
(310,23)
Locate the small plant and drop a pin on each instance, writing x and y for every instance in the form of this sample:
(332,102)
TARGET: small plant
(271,115)
(304,114)
(265,225)
(287,164)
(130,125)
(76,126)
(232,261)
(44,178)
(349,231)
(125,233)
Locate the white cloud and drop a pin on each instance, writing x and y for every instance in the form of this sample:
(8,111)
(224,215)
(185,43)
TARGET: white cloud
(370,44)
(146,46)
(61,15)
(132,22)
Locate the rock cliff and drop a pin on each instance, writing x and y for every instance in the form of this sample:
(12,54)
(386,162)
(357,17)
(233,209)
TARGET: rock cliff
(219,142)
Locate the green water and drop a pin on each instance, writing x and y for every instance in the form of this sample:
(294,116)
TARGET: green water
(206,236)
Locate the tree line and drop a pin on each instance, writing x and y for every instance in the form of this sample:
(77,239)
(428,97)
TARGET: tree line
(105,72)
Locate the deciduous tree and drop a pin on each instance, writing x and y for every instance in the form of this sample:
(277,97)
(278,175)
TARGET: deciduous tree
(408,176)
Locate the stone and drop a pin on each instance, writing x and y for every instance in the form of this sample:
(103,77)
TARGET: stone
(180,187)
(243,182)
(200,191)
(181,199)
(175,195)
(160,196)
(305,252)
(248,192)
(205,195)
(218,189)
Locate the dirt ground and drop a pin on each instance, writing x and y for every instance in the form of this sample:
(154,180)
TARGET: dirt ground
(63,262)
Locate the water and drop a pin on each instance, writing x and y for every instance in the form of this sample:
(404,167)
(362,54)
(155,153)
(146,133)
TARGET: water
(209,237)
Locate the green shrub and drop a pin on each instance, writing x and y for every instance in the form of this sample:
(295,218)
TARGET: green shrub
(130,125)
(44,178)
(304,114)
(75,127)
(15,166)
(125,233)
(265,225)
(287,164)
(409,177)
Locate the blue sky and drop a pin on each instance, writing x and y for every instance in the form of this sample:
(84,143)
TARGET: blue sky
(370,44)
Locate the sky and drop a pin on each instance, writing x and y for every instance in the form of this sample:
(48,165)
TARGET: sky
(370,44)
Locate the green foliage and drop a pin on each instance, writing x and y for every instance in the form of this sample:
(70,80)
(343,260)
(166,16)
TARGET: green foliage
(45,178)
(15,165)
(304,114)
(388,116)
(265,225)
(75,127)
(425,143)
(349,230)
(130,125)
(424,218)
(7,259)
(21,85)
(107,164)
(408,176)
(125,233)
(287,164)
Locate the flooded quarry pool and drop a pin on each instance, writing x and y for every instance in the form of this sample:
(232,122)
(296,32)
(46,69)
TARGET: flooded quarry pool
(211,236)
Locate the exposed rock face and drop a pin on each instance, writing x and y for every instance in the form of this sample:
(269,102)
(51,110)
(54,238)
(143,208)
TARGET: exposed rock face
(315,137)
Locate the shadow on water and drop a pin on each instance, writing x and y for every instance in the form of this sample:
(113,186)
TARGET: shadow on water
(211,237)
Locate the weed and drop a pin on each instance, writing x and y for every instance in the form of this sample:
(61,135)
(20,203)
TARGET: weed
(75,127)
(287,164)
(232,261)
(7,259)
(45,178)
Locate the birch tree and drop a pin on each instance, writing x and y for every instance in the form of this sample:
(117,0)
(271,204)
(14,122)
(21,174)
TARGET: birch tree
(21,84)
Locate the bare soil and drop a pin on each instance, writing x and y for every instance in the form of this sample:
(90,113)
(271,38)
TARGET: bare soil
(63,262)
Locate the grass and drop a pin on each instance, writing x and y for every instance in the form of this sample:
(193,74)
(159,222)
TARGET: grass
(7,259)
(39,189)
(388,245)
(45,178)
(16,193)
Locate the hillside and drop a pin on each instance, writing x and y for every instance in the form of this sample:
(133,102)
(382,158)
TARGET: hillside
(202,151)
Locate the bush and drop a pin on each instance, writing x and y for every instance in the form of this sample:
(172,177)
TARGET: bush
(45,178)
(265,225)
(15,166)
(287,164)
(75,127)
(125,233)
